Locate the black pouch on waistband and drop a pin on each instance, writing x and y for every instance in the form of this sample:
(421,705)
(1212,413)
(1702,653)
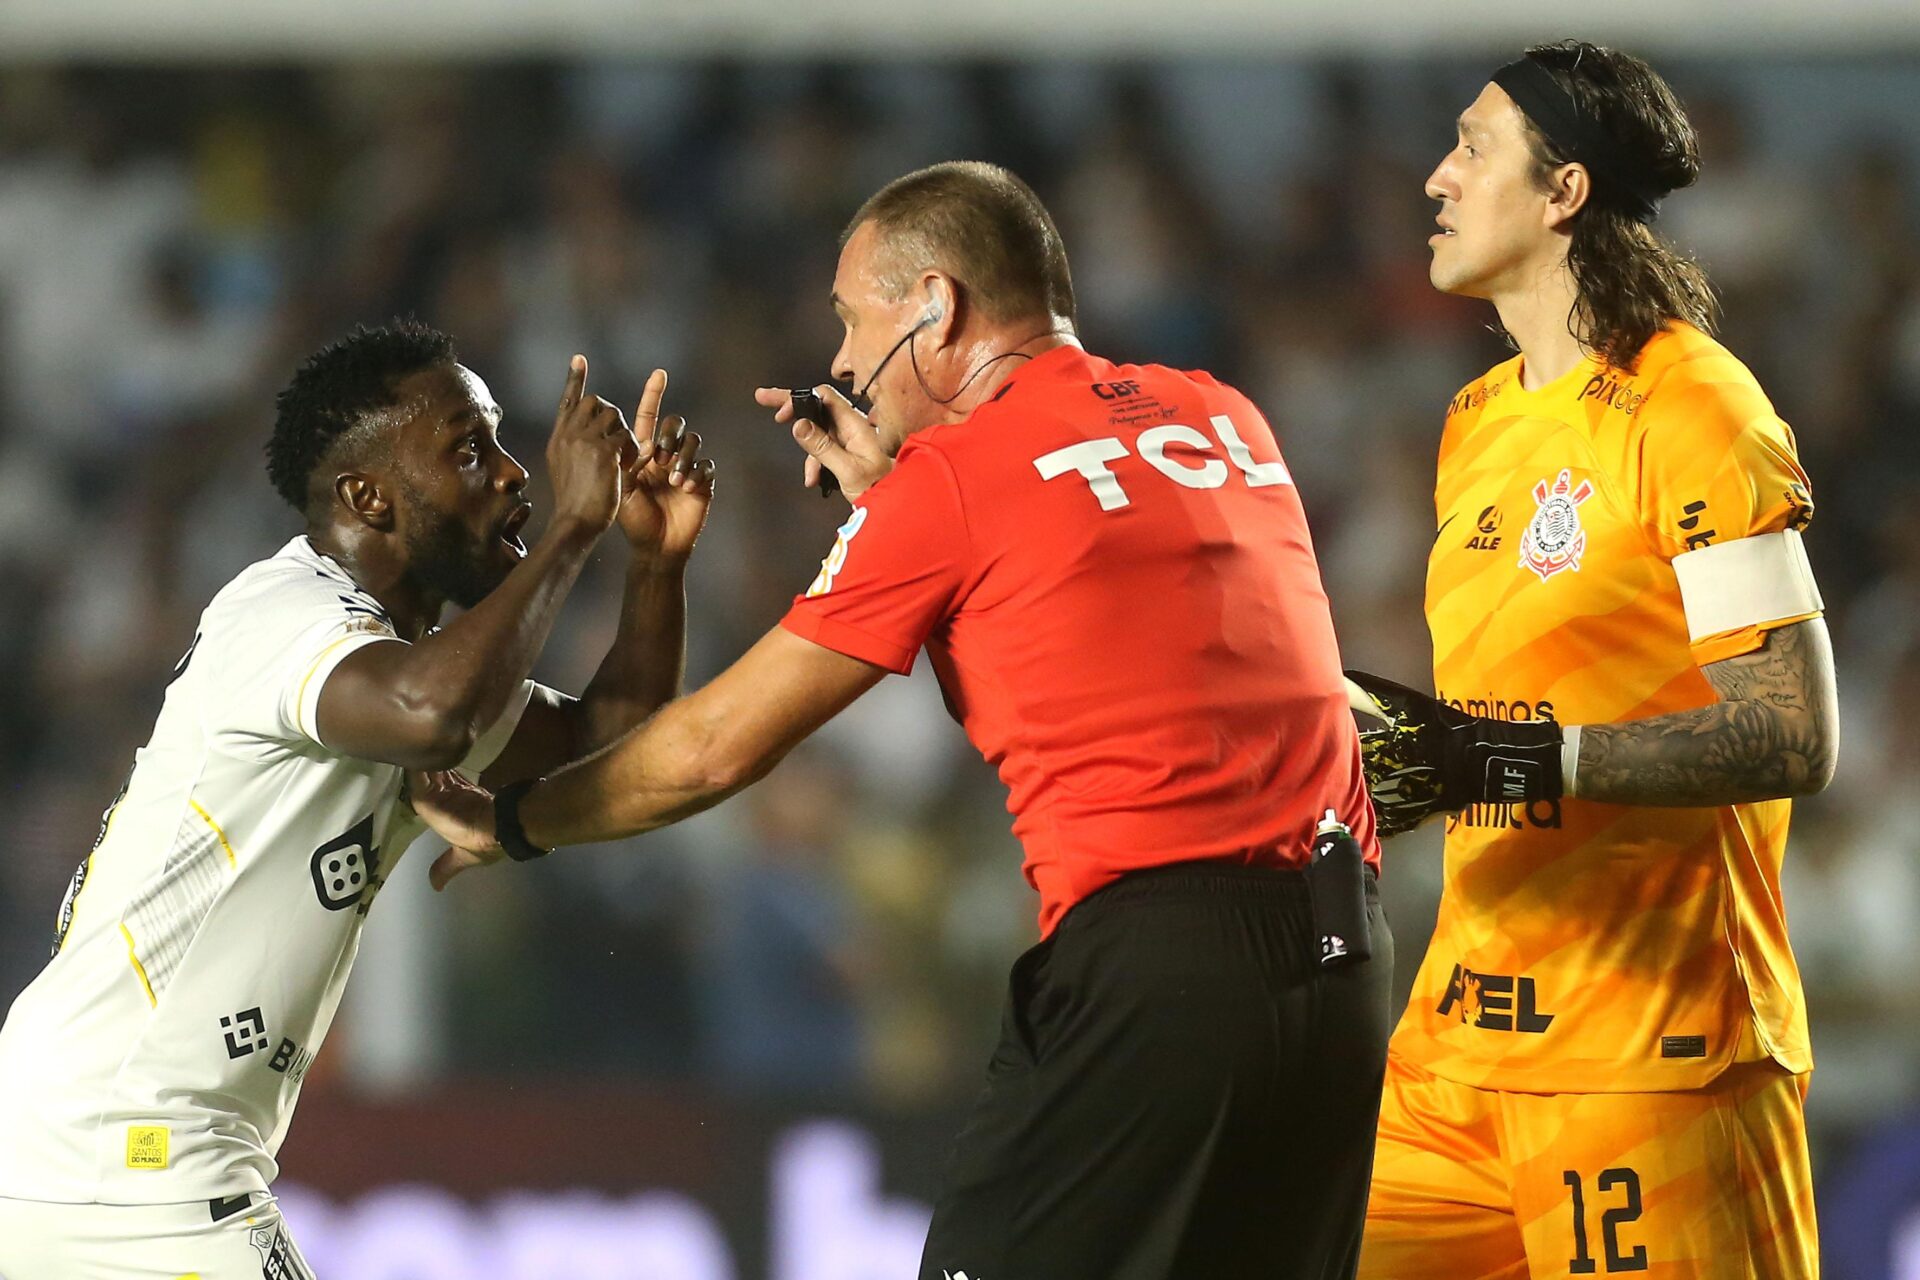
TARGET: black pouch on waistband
(1337,886)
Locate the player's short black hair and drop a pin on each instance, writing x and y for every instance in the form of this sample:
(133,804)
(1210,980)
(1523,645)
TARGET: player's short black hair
(335,389)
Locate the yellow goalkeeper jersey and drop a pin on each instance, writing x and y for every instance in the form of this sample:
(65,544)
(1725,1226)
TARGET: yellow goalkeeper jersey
(1587,947)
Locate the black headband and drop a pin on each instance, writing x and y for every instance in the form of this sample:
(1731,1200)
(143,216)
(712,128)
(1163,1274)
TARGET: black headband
(1578,136)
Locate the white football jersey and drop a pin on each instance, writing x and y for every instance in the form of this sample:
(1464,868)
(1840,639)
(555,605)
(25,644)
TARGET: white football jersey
(204,944)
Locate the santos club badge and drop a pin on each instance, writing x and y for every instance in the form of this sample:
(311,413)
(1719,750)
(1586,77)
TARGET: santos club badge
(1554,539)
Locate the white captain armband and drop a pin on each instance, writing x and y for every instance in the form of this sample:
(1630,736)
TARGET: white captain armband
(1745,583)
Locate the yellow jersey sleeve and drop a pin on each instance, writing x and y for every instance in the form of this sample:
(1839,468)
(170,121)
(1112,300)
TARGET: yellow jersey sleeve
(1716,464)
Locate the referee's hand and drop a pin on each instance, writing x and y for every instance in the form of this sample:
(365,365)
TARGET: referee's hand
(461,813)
(851,450)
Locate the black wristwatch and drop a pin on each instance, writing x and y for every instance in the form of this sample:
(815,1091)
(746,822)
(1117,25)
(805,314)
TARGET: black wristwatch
(506,822)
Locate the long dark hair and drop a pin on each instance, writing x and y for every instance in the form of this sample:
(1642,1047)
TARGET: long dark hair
(1629,281)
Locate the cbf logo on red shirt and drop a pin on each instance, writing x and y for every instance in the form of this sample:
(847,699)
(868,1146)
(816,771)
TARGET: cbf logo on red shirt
(1554,539)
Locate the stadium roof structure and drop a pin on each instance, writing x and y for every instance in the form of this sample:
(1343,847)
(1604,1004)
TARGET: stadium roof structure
(204,30)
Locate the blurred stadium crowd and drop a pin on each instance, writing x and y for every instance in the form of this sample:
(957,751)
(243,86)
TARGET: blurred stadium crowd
(172,242)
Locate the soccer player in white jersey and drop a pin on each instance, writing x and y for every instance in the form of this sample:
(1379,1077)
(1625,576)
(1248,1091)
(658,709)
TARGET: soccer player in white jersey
(148,1074)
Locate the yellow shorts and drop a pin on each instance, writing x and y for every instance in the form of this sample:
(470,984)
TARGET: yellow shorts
(1474,1184)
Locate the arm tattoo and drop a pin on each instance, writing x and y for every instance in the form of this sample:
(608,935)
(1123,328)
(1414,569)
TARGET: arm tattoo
(1773,733)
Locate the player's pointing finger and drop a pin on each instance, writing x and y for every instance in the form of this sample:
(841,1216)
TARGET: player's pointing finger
(650,397)
(576,383)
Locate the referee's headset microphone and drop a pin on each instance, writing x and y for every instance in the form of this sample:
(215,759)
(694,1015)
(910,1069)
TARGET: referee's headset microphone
(936,312)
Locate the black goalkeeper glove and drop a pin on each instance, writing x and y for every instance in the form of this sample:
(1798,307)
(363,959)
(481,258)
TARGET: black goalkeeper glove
(1427,758)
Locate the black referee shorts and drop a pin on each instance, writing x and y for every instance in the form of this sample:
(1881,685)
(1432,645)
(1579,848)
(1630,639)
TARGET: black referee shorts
(1179,1092)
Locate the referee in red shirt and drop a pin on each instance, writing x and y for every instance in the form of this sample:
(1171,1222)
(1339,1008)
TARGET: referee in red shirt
(1110,569)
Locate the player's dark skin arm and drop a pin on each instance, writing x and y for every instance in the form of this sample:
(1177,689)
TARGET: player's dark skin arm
(642,670)
(423,705)
(694,753)
(1774,733)
(662,517)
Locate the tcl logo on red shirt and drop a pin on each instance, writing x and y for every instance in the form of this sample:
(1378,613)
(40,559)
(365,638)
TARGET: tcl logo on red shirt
(1090,459)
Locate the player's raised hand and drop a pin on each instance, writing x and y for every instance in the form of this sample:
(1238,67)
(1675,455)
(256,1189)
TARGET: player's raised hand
(851,448)
(461,813)
(585,457)
(668,485)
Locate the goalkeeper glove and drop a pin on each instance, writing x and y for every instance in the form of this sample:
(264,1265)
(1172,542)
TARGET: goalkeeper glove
(1426,757)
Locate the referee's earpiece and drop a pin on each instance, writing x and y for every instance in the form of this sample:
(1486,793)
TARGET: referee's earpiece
(936,309)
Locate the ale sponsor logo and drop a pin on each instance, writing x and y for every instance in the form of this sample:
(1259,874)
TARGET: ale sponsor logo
(1487,537)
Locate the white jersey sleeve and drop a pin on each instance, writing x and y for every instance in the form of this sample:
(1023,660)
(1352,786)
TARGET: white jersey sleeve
(283,635)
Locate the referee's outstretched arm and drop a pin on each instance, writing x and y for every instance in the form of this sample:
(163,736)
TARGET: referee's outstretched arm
(694,753)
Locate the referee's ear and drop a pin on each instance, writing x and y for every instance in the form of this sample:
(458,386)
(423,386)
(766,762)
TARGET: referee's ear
(941,318)
(362,496)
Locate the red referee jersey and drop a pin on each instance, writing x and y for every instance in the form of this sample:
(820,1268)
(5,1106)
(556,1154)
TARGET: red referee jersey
(1110,569)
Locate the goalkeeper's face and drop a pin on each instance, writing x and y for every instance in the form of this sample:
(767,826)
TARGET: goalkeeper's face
(1498,228)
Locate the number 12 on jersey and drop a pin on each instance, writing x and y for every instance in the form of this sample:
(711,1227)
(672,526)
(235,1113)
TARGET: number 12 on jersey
(1089,459)
(1583,1262)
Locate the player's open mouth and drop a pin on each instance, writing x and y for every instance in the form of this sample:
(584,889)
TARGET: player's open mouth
(510,530)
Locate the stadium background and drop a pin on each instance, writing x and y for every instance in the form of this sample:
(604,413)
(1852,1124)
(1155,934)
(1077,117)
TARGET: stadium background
(737,1050)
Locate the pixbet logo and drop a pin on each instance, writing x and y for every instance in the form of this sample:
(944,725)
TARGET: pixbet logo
(1614,392)
(1474,397)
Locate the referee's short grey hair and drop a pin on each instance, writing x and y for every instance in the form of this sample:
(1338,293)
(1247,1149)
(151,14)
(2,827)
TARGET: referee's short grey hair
(983,226)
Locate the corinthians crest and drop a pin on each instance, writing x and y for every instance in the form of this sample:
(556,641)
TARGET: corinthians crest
(1554,539)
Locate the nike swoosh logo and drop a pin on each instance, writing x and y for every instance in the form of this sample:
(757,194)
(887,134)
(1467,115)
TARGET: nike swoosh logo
(1443,527)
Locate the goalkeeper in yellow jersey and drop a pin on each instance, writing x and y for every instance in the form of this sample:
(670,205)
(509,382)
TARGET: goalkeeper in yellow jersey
(1603,1064)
